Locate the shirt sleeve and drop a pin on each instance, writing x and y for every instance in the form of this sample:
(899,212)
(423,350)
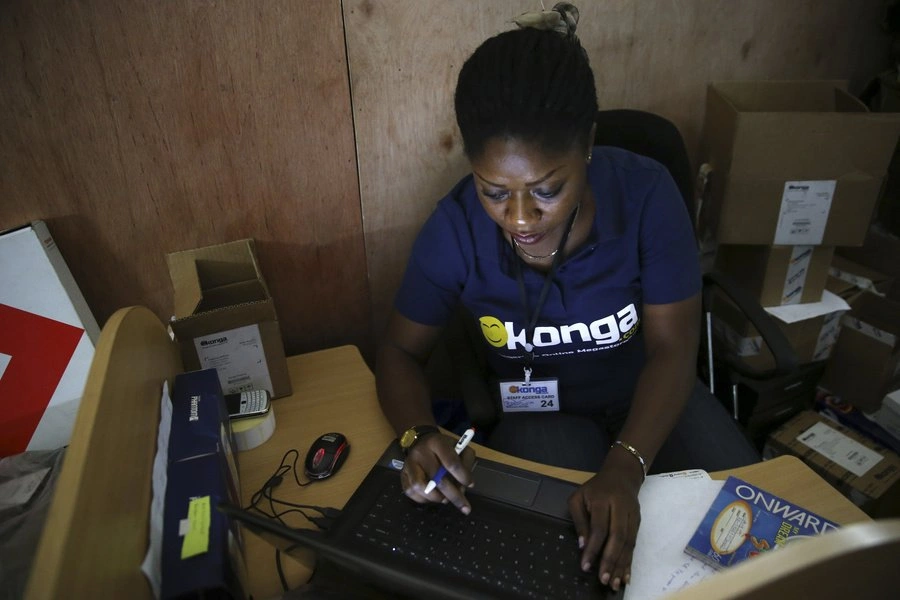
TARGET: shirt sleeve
(437,267)
(670,263)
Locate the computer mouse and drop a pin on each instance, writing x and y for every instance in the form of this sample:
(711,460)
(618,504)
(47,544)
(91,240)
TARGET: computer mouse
(326,455)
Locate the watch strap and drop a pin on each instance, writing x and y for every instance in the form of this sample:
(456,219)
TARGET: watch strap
(413,434)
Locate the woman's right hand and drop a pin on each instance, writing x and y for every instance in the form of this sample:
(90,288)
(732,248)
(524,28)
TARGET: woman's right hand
(423,461)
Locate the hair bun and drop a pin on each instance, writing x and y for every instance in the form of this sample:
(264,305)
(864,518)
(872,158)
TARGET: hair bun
(563,19)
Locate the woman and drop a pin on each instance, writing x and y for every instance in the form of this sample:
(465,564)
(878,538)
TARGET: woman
(580,264)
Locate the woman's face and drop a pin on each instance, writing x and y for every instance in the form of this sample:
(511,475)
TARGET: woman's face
(530,194)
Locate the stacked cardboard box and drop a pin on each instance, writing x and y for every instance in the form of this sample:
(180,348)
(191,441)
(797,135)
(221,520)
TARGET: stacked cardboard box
(864,471)
(796,171)
(848,279)
(865,364)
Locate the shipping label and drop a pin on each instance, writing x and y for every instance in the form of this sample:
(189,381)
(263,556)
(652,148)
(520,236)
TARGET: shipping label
(840,449)
(804,212)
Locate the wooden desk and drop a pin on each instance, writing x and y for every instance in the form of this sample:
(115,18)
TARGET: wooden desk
(96,533)
(335,391)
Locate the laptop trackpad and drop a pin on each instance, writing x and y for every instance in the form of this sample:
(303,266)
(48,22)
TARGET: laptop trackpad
(490,481)
(518,487)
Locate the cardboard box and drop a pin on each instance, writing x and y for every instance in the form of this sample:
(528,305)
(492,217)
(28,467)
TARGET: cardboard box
(777,275)
(846,414)
(793,163)
(811,328)
(865,361)
(225,318)
(47,339)
(868,474)
(849,279)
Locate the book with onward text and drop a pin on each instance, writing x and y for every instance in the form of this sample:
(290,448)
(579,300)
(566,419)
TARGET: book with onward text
(744,521)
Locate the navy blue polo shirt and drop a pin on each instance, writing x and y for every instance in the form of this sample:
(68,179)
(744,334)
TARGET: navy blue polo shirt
(641,250)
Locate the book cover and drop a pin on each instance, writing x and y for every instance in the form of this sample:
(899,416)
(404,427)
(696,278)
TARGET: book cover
(745,520)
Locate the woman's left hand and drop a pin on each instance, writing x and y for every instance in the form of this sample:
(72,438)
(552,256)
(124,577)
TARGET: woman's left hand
(607,515)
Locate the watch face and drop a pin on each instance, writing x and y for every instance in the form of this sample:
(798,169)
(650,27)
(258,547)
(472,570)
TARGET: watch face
(409,436)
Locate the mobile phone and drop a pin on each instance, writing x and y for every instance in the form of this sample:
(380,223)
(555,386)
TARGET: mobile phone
(247,404)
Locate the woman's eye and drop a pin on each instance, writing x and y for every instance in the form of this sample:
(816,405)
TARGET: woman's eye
(547,194)
(494,195)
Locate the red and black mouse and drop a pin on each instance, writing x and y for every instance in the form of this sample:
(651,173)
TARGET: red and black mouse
(326,455)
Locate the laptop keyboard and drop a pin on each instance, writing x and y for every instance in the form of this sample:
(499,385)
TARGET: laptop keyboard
(531,559)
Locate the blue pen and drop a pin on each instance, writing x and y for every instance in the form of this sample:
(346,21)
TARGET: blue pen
(460,446)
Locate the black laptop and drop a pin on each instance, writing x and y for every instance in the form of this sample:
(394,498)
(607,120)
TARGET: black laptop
(518,541)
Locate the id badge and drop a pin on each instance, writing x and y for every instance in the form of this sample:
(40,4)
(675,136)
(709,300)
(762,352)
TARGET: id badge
(534,395)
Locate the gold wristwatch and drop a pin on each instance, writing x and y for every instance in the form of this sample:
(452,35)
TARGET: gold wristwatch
(413,434)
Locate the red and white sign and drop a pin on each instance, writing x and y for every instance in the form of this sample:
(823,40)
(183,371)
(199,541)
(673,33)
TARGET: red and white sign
(47,337)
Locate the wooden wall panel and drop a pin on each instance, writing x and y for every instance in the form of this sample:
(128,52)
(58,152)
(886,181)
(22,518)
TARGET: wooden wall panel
(140,128)
(651,54)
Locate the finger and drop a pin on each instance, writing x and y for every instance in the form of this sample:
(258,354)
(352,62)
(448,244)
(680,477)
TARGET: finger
(621,573)
(460,472)
(580,517)
(452,492)
(597,537)
(413,480)
(619,547)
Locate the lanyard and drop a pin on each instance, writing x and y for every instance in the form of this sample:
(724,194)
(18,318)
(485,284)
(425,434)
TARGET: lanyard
(531,319)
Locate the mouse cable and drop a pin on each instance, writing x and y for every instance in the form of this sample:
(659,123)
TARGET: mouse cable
(293,466)
(266,492)
(322,522)
(325,511)
(256,504)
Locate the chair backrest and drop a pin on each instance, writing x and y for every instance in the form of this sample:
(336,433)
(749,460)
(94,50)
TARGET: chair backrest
(96,532)
(650,135)
(857,561)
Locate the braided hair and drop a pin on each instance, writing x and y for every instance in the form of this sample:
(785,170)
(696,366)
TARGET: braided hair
(534,84)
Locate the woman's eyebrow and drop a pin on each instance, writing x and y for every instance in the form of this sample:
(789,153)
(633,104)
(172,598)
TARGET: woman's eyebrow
(528,183)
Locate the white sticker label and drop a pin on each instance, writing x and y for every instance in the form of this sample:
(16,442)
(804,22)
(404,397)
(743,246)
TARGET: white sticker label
(238,357)
(840,449)
(871,331)
(831,326)
(538,395)
(804,212)
(863,283)
(795,278)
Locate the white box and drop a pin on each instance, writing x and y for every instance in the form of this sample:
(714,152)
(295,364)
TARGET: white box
(47,339)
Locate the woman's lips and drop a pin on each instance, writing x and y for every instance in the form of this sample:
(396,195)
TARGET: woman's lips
(527,239)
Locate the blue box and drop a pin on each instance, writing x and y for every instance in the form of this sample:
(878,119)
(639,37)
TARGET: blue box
(218,571)
(201,472)
(200,422)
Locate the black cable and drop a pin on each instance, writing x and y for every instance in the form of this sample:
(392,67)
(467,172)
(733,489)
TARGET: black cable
(288,465)
(280,569)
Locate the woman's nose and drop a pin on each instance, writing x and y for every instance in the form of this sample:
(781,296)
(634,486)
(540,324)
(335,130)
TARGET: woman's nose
(521,210)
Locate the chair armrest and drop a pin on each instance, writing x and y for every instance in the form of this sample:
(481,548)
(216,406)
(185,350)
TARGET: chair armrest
(786,359)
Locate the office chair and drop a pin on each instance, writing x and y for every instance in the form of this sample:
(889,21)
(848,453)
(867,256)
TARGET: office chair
(462,345)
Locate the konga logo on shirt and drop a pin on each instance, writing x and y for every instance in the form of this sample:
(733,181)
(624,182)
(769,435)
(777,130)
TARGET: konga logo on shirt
(607,331)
